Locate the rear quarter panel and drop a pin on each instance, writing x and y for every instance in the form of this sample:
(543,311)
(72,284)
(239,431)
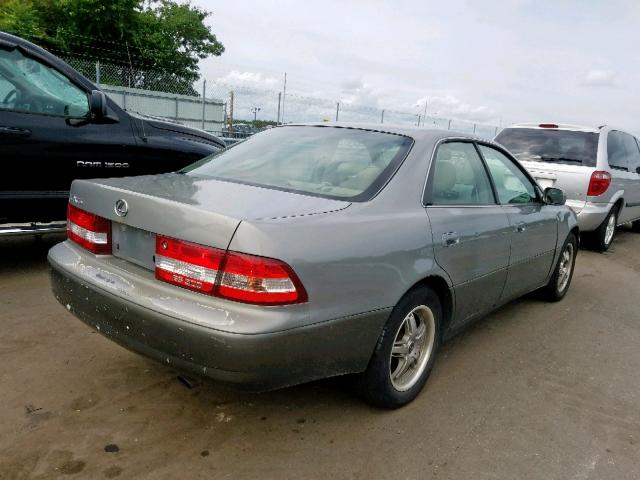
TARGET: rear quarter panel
(350,262)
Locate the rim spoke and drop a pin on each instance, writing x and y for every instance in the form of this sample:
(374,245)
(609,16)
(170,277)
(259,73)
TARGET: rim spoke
(412,325)
(400,349)
(420,331)
(403,366)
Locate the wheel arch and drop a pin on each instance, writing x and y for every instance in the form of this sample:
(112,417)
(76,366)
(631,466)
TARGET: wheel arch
(444,292)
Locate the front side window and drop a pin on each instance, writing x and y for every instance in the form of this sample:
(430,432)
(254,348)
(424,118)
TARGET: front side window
(512,185)
(331,162)
(33,87)
(458,177)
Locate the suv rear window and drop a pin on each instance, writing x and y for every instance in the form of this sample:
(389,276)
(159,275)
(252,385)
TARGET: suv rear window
(551,145)
(330,162)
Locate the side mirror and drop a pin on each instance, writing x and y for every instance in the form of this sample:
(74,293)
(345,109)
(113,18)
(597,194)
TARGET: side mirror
(98,104)
(554,196)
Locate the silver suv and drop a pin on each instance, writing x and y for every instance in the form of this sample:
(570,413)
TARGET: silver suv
(598,168)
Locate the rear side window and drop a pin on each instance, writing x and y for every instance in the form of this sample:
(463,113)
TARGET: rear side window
(622,151)
(616,151)
(512,185)
(551,145)
(458,177)
(331,162)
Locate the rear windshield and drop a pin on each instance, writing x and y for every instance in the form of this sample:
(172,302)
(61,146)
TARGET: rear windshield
(551,145)
(331,162)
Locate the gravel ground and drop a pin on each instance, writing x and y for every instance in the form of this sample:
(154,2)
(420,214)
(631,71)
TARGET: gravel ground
(534,391)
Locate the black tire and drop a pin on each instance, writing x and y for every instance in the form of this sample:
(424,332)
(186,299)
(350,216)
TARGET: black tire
(597,238)
(635,226)
(375,384)
(554,291)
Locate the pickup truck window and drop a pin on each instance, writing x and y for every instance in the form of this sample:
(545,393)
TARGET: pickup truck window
(37,88)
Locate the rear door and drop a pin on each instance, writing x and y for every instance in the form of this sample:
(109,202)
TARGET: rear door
(471,232)
(534,224)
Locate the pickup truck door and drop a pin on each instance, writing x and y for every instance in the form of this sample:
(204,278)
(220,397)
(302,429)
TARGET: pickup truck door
(471,232)
(534,224)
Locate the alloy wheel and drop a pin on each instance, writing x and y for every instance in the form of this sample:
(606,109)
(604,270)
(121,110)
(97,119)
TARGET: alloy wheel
(412,348)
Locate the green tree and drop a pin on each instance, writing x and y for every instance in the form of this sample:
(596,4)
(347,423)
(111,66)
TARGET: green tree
(154,44)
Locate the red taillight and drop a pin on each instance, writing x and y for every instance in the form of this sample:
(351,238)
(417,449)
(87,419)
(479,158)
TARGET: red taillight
(89,230)
(599,183)
(266,281)
(186,264)
(548,125)
(232,275)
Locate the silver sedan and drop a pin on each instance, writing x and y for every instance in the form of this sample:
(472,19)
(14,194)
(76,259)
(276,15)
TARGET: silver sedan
(310,251)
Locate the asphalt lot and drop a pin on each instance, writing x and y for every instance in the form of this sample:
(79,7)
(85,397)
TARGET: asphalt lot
(535,391)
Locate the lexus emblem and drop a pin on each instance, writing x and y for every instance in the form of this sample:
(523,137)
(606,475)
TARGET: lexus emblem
(121,208)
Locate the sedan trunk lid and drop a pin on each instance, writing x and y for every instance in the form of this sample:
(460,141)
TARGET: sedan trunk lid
(195,209)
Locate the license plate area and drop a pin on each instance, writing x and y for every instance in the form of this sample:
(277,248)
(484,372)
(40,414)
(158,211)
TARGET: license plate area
(134,245)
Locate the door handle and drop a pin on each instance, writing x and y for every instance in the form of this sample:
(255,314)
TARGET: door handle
(15,131)
(450,239)
(521,227)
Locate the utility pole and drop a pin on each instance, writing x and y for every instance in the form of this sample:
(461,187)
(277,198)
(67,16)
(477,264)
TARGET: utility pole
(279,100)
(382,117)
(419,119)
(255,111)
(284,94)
(231,111)
(424,117)
(337,110)
(204,92)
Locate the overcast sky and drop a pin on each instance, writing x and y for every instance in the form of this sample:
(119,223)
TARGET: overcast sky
(490,61)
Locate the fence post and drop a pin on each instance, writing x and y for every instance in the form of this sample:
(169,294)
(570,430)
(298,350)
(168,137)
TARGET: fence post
(279,99)
(124,100)
(204,92)
(98,72)
(231,112)
(176,107)
(337,110)
(382,117)
(449,126)
(496,132)
(474,128)
(419,117)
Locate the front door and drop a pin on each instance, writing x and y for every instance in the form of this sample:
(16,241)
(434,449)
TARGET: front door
(48,139)
(534,224)
(471,232)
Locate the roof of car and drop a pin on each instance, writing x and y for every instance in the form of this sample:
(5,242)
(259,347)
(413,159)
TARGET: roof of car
(558,126)
(409,131)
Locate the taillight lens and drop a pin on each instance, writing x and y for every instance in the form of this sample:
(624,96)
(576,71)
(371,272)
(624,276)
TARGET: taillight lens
(251,279)
(89,230)
(236,276)
(186,264)
(599,183)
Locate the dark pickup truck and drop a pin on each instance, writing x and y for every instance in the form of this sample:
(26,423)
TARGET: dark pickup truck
(56,126)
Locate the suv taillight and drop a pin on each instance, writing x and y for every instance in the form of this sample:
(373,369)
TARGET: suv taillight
(232,275)
(89,230)
(599,183)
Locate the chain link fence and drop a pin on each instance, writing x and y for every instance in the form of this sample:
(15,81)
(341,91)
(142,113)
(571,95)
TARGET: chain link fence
(236,111)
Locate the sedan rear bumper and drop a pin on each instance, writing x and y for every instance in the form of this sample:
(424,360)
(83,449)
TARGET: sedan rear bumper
(257,362)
